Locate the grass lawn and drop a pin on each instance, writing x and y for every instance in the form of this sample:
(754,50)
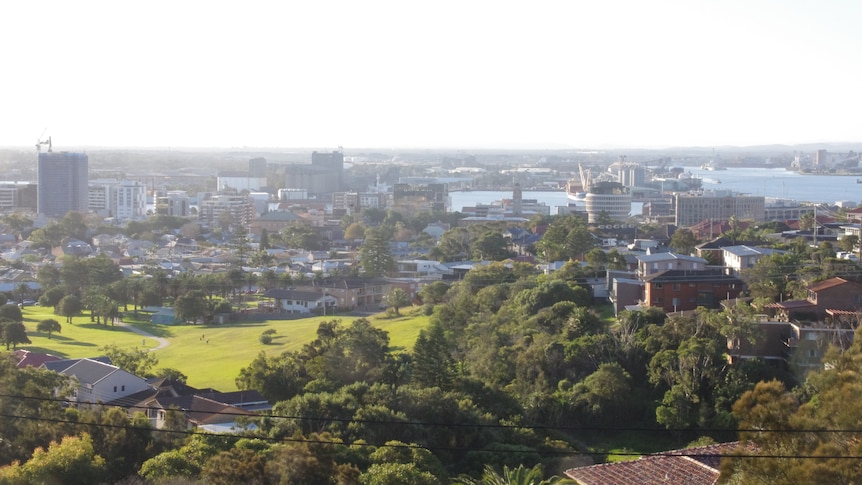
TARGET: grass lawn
(211,356)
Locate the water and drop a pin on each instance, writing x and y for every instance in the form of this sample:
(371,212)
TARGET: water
(783,184)
(768,182)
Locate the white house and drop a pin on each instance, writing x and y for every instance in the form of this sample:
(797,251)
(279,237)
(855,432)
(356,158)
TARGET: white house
(293,301)
(101,382)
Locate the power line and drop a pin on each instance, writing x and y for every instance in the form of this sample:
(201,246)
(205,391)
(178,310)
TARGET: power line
(447,425)
(673,453)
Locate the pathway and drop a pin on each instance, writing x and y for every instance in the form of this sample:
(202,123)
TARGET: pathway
(163,342)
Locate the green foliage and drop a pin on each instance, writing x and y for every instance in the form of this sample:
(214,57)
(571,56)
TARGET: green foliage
(12,333)
(396,299)
(375,255)
(69,307)
(136,361)
(72,461)
(567,237)
(49,326)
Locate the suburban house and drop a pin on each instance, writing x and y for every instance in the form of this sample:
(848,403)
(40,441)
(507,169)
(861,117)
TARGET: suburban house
(793,345)
(97,381)
(833,294)
(738,258)
(352,293)
(680,290)
(207,409)
(692,466)
(422,268)
(649,264)
(296,301)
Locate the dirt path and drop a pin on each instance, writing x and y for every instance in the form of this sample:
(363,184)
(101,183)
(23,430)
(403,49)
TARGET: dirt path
(163,342)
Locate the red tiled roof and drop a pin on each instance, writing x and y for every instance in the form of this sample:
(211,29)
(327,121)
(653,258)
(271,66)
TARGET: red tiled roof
(693,466)
(33,359)
(830,283)
(791,304)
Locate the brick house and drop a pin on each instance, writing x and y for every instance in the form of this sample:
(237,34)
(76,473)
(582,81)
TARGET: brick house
(680,290)
(830,294)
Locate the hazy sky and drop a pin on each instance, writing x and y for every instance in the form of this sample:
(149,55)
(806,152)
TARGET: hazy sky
(430,74)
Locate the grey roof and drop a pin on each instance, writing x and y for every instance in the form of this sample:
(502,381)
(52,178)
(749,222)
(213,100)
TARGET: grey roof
(651,258)
(743,250)
(90,371)
(283,294)
(61,365)
(279,216)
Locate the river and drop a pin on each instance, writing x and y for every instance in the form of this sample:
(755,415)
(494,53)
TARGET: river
(768,182)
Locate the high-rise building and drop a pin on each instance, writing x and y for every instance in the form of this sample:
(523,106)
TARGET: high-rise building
(62,183)
(608,199)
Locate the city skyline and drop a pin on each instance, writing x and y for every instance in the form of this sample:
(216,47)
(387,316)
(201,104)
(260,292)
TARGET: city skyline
(442,75)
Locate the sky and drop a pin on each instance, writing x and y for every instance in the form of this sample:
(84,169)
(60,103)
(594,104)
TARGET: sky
(423,74)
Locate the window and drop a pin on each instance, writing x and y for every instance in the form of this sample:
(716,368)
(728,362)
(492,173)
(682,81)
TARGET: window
(123,388)
(676,287)
(115,388)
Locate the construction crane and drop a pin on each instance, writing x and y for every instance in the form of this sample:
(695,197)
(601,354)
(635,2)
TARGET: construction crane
(41,142)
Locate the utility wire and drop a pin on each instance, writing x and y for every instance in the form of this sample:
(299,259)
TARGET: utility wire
(448,425)
(673,453)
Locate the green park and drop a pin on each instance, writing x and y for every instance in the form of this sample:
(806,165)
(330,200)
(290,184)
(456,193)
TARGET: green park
(210,355)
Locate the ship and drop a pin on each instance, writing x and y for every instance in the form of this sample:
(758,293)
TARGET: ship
(577,189)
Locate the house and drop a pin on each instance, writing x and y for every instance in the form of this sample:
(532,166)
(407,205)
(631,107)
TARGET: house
(833,294)
(649,264)
(98,382)
(794,345)
(419,267)
(692,466)
(741,257)
(681,290)
(294,301)
(207,409)
(352,293)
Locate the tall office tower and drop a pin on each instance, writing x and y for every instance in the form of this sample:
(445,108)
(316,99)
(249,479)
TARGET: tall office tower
(62,183)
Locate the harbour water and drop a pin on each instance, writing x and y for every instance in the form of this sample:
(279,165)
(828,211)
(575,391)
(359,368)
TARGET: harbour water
(768,182)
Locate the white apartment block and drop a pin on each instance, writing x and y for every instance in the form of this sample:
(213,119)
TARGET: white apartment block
(122,199)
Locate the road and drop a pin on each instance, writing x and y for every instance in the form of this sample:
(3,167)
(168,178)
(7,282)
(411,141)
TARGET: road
(163,342)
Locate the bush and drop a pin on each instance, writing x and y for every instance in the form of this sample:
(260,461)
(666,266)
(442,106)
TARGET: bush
(265,338)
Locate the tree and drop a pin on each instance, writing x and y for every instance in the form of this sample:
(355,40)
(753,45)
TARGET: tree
(52,297)
(433,293)
(683,241)
(13,333)
(513,476)
(49,326)
(355,230)
(491,245)
(72,461)
(301,236)
(191,306)
(433,365)
(70,306)
(375,255)
(136,361)
(396,299)
(567,237)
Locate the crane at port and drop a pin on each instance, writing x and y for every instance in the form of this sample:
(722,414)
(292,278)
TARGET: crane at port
(41,142)
(585,178)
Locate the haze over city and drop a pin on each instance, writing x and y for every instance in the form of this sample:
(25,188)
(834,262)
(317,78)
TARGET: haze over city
(441,74)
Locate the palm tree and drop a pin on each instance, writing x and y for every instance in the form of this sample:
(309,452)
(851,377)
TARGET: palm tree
(513,476)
